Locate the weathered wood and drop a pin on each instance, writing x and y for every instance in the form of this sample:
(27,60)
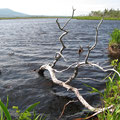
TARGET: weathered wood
(52,71)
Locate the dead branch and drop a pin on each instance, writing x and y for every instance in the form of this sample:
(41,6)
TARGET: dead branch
(105,70)
(87,56)
(68,87)
(74,74)
(65,69)
(73,89)
(96,113)
(95,43)
(72,101)
(77,65)
(57,57)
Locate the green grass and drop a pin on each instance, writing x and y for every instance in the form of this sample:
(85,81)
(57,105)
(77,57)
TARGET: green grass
(111,96)
(94,18)
(115,37)
(76,17)
(28,114)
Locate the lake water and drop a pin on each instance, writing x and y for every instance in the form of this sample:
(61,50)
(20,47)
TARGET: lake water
(26,44)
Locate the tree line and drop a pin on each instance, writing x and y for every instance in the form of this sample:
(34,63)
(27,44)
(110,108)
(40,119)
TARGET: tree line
(106,13)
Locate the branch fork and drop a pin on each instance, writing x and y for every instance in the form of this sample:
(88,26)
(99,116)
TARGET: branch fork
(77,65)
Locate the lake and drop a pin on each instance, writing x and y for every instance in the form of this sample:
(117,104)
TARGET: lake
(26,44)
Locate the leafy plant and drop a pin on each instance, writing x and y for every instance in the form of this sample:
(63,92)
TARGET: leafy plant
(28,114)
(115,37)
(111,96)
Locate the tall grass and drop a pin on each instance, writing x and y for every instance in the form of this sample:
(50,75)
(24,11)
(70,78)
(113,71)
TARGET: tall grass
(111,96)
(26,115)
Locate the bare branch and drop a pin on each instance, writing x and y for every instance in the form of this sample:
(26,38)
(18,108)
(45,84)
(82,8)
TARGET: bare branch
(77,65)
(105,70)
(60,38)
(69,87)
(73,10)
(74,75)
(95,43)
(72,101)
(60,55)
(65,69)
(96,113)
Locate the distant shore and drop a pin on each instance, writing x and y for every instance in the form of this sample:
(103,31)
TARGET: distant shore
(77,17)
(95,18)
(36,17)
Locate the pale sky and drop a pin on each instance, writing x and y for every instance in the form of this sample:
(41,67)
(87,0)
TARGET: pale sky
(58,7)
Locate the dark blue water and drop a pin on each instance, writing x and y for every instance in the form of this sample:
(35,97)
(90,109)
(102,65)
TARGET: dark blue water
(27,44)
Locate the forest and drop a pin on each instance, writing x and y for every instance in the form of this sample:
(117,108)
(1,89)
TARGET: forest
(107,13)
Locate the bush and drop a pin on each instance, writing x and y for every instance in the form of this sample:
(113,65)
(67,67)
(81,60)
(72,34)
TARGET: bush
(115,37)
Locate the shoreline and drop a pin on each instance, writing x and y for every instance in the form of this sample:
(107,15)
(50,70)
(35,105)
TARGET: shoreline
(94,18)
(52,17)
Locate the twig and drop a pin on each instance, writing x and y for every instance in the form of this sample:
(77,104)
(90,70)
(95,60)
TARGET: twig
(80,79)
(105,70)
(75,72)
(95,43)
(72,101)
(65,69)
(74,75)
(60,38)
(104,109)
(73,10)
(58,53)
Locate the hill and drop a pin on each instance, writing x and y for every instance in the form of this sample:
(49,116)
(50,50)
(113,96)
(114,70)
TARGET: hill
(10,13)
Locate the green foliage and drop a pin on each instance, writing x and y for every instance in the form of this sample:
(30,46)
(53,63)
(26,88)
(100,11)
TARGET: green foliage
(4,109)
(28,114)
(115,37)
(107,13)
(87,18)
(30,108)
(111,96)
(95,18)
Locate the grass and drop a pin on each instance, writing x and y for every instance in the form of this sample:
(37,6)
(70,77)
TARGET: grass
(111,96)
(28,114)
(76,17)
(94,18)
(115,37)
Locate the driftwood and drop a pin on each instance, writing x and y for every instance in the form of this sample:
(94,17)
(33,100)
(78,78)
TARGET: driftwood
(77,65)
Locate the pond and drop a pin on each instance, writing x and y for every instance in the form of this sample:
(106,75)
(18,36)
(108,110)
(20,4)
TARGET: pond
(26,44)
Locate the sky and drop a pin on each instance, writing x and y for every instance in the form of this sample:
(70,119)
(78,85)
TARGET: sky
(58,7)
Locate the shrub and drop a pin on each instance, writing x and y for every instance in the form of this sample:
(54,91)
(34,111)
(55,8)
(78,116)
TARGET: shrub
(115,37)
